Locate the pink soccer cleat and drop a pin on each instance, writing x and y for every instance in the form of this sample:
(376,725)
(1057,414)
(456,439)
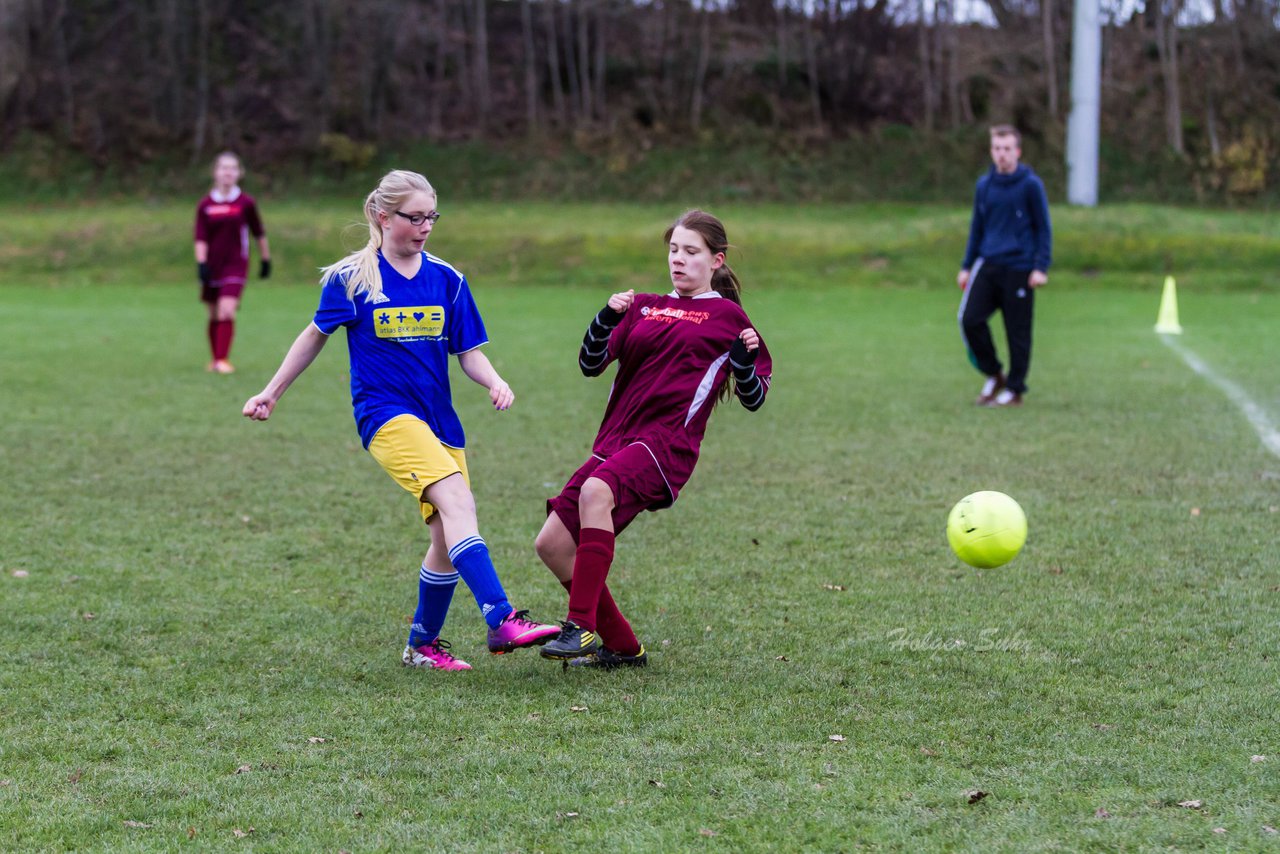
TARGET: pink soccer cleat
(518,631)
(435,655)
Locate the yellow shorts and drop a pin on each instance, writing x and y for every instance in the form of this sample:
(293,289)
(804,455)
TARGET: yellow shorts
(409,451)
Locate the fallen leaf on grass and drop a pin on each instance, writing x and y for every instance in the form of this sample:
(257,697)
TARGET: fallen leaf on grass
(359,814)
(533,716)
(315,739)
(191,833)
(835,737)
(128,822)
(20,573)
(74,776)
(1266,828)
(1219,830)
(578,709)
(780,658)
(927,752)
(1257,757)
(4,783)
(975,795)
(88,615)
(1191,805)
(1101,812)
(564,815)
(244,769)
(658,783)
(666,643)
(1195,511)
(1103,727)
(707,832)
(241,834)
(834,587)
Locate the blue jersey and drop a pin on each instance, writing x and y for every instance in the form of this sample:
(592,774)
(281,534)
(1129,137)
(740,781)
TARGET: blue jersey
(400,345)
(1010,224)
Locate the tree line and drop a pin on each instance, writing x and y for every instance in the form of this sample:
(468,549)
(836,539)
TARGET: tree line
(333,78)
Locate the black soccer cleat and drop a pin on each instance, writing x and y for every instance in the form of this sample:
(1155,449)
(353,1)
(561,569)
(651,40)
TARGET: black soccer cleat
(573,642)
(607,659)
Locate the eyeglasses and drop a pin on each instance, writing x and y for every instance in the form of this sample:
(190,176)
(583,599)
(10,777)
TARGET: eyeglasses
(419,219)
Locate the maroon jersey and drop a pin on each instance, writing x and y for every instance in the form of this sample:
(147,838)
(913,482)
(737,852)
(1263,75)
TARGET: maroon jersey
(673,356)
(225,223)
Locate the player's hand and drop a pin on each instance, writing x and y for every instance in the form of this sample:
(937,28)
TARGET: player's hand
(745,347)
(264,271)
(962,279)
(1037,278)
(259,407)
(621,302)
(202,273)
(501,395)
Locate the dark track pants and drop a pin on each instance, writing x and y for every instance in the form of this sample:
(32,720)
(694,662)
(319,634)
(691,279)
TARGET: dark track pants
(991,288)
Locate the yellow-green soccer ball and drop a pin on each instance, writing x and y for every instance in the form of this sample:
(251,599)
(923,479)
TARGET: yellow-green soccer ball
(987,529)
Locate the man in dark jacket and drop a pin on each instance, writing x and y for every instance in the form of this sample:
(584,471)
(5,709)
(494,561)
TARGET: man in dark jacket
(1010,248)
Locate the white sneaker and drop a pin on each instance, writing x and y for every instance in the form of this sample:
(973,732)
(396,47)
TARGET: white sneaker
(1006,398)
(989,389)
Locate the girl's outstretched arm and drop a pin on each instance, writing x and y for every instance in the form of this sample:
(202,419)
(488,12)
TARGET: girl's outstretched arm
(305,348)
(477,366)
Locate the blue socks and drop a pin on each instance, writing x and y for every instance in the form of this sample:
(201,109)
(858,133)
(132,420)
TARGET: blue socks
(471,558)
(435,592)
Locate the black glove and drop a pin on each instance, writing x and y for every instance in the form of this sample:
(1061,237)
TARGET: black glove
(740,356)
(264,271)
(202,272)
(609,317)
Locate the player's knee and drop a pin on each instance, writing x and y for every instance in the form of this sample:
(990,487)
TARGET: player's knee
(451,497)
(547,546)
(596,495)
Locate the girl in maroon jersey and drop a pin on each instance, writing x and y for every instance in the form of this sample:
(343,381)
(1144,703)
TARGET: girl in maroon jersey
(676,353)
(224,220)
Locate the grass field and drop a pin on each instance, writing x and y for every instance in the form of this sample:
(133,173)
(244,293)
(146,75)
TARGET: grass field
(201,617)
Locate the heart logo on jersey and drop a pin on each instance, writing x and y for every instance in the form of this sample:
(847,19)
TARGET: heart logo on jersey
(417,315)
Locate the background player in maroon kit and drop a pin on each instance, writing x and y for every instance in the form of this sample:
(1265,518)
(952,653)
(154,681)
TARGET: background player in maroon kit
(224,220)
(676,354)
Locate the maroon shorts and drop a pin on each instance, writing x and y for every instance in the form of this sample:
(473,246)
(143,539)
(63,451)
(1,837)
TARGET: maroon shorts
(211,293)
(633,476)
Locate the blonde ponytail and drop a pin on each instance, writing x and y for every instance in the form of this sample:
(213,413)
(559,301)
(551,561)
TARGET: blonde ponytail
(360,269)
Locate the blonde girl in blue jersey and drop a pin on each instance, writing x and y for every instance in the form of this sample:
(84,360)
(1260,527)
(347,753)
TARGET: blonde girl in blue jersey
(406,312)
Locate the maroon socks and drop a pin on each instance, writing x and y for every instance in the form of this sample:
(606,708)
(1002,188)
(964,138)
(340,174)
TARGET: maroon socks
(220,334)
(590,603)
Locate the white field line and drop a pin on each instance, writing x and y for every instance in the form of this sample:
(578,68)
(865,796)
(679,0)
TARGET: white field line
(1257,416)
